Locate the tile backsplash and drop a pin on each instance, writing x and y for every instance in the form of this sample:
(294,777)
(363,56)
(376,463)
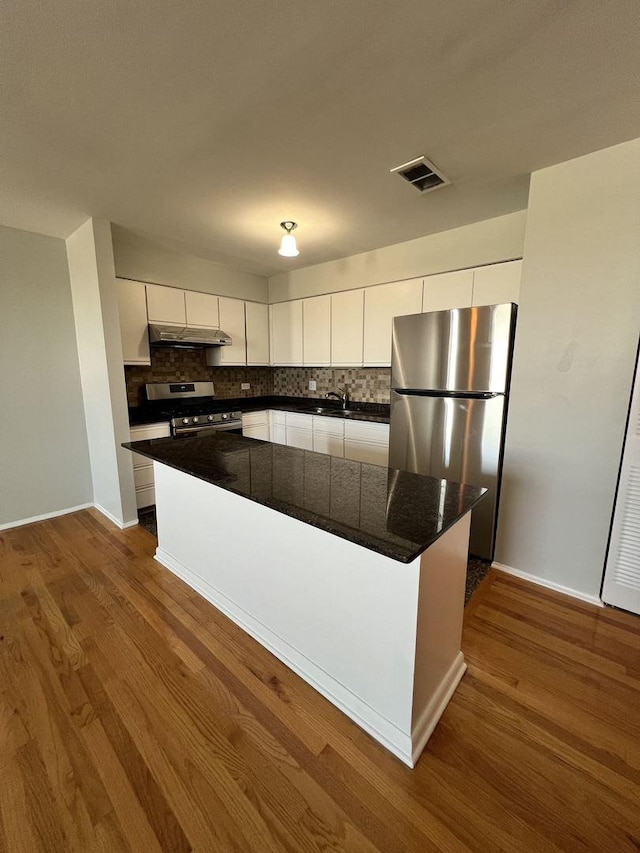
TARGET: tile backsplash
(365,384)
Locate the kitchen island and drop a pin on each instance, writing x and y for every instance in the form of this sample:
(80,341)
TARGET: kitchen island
(352,574)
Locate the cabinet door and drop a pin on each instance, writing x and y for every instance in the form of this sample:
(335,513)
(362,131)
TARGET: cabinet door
(316,316)
(361,451)
(202,309)
(347,325)
(323,442)
(257,328)
(165,305)
(132,308)
(232,322)
(448,290)
(256,425)
(297,437)
(286,333)
(381,305)
(497,283)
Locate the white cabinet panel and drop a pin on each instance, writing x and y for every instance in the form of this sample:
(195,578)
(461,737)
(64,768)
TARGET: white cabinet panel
(232,322)
(316,314)
(325,443)
(257,330)
(497,283)
(332,426)
(132,309)
(381,305)
(347,328)
(201,309)
(256,425)
(165,305)
(359,451)
(448,290)
(278,427)
(366,442)
(143,467)
(297,437)
(286,333)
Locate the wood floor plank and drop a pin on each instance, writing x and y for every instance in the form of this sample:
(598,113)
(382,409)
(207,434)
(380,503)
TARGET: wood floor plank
(136,717)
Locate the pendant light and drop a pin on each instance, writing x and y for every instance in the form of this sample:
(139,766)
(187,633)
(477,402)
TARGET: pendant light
(288,247)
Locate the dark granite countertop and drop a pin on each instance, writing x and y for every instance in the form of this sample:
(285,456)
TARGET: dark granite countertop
(392,512)
(375,412)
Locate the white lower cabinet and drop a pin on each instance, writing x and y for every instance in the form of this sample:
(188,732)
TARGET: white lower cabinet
(328,435)
(256,425)
(143,467)
(299,430)
(366,442)
(278,427)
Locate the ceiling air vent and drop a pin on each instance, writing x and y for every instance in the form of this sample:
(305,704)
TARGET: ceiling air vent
(422,175)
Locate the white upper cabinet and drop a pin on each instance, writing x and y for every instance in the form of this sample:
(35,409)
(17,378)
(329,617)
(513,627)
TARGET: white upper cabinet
(132,308)
(166,305)
(201,309)
(232,322)
(316,324)
(257,327)
(286,333)
(497,283)
(347,328)
(448,290)
(381,305)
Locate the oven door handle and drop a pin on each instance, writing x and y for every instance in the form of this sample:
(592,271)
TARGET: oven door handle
(227,425)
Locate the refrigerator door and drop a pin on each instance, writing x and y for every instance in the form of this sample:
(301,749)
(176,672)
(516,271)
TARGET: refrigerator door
(455,438)
(463,350)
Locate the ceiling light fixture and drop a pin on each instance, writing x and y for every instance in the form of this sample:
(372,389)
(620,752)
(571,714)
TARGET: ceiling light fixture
(288,247)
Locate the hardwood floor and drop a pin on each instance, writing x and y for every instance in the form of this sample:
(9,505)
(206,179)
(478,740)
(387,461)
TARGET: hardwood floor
(134,716)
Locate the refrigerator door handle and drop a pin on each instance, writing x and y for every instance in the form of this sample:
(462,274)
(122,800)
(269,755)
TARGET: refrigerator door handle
(456,395)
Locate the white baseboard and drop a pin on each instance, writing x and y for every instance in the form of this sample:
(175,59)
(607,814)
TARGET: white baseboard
(428,720)
(21,522)
(566,590)
(122,525)
(381,729)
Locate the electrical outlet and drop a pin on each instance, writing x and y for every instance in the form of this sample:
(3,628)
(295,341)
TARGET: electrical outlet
(313,385)
(245,386)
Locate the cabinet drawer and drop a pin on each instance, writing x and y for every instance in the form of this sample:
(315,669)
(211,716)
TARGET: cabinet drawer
(143,476)
(251,419)
(301,421)
(329,426)
(145,496)
(149,431)
(370,432)
(362,451)
(302,438)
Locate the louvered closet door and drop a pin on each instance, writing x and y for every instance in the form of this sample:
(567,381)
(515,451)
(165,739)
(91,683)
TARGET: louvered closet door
(622,572)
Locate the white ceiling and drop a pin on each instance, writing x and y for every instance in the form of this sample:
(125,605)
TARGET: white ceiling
(205,123)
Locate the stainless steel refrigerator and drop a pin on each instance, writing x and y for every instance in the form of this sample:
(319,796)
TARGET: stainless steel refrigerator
(450,373)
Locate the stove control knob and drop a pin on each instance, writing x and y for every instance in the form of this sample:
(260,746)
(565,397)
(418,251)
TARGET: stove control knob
(195,420)
(210,418)
(224,417)
(185,420)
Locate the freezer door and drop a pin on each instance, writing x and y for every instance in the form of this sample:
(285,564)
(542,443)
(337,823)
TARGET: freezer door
(455,438)
(467,349)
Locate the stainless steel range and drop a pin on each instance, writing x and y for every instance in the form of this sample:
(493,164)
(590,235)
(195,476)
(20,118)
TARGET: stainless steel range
(192,408)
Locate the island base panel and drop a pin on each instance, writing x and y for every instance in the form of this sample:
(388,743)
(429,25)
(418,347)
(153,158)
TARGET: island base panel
(341,616)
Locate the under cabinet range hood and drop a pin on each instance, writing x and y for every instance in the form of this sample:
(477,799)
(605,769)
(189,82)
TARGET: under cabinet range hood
(186,337)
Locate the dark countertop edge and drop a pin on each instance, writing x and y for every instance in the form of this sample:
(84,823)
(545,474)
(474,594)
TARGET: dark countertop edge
(373,412)
(343,531)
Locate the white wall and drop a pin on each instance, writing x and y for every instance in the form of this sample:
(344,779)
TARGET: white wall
(95,311)
(498,239)
(143,259)
(44,459)
(576,340)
